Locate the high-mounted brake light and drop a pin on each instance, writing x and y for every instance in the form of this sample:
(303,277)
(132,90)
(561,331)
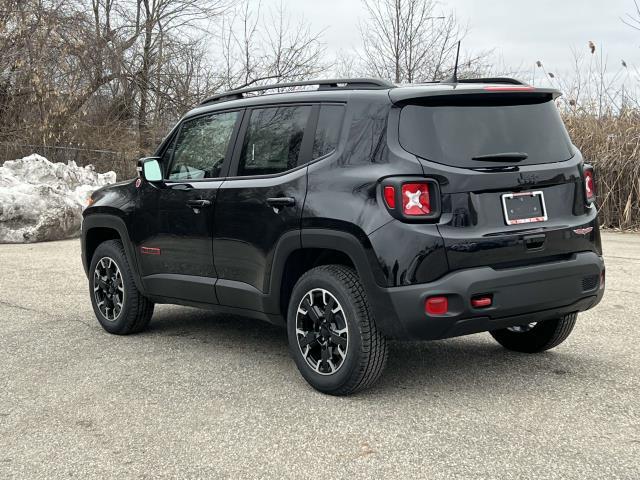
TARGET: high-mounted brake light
(509,88)
(416,199)
(589,183)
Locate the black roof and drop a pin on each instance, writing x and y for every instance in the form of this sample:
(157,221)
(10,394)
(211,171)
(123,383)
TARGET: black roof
(340,88)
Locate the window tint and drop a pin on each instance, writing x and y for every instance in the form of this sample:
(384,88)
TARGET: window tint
(328,131)
(273,140)
(454,135)
(201,146)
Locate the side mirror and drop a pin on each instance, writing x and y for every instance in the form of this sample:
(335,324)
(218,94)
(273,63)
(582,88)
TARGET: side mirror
(149,169)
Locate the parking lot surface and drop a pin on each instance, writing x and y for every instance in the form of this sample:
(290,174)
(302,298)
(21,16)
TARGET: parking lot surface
(201,395)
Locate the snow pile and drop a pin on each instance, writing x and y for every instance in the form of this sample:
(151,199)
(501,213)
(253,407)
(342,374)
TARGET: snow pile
(40,200)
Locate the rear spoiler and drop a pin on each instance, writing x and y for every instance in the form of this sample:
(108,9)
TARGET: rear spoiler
(463,92)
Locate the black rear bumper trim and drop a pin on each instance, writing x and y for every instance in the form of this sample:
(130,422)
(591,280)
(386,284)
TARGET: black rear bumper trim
(520,295)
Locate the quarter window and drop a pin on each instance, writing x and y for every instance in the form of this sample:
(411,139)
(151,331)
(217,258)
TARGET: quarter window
(328,131)
(273,140)
(201,146)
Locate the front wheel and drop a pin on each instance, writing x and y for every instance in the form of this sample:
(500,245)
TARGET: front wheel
(119,306)
(536,337)
(332,334)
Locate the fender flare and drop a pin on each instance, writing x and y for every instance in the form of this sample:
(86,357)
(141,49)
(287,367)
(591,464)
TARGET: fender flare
(101,220)
(357,248)
(359,251)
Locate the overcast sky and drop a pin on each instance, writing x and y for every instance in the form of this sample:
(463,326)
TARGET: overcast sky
(521,32)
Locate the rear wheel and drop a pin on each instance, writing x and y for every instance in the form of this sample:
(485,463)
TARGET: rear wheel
(119,306)
(333,337)
(536,337)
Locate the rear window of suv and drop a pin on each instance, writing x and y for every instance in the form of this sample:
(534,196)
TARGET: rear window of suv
(455,134)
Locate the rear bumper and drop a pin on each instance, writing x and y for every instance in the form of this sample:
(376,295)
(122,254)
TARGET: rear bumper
(520,295)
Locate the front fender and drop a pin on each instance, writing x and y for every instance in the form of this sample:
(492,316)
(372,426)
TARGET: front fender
(116,223)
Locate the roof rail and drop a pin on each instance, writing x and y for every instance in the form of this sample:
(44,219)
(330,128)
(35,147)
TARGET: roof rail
(336,83)
(502,80)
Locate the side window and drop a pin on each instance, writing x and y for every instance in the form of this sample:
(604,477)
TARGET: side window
(201,146)
(273,140)
(328,131)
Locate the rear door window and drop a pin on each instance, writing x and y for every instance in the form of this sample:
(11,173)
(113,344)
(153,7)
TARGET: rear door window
(455,134)
(328,130)
(273,140)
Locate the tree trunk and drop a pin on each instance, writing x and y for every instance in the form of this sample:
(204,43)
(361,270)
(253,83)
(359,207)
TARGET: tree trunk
(143,85)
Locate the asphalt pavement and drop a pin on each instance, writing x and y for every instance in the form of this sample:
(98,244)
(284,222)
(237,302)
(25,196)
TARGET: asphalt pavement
(211,396)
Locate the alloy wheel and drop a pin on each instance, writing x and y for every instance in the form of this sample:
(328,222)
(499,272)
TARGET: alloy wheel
(108,288)
(322,331)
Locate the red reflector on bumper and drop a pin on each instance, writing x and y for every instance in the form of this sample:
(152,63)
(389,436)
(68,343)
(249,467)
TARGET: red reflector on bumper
(481,302)
(436,305)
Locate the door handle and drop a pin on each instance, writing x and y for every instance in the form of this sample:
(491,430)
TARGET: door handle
(198,203)
(181,186)
(279,202)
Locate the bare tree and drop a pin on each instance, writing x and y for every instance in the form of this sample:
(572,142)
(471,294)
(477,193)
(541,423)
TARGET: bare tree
(156,23)
(256,49)
(633,19)
(411,41)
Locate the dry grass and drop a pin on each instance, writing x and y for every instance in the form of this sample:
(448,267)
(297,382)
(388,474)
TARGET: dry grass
(612,145)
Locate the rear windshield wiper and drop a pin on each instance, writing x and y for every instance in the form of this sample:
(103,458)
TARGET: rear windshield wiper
(502,157)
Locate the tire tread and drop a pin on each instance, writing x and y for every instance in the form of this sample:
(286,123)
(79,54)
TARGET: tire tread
(373,356)
(139,308)
(544,336)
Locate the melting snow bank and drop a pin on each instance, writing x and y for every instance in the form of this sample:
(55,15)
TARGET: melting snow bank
(40,200)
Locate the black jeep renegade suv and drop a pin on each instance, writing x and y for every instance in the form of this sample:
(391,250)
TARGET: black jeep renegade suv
(355,212)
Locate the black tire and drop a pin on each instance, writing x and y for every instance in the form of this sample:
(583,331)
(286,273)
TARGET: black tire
(542,336)
(135,312)
(365,351)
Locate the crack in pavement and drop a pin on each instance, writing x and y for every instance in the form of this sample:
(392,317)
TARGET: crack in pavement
(41,312)
(28,309)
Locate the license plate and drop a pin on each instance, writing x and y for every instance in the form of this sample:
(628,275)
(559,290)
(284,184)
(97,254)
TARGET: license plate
(525,207)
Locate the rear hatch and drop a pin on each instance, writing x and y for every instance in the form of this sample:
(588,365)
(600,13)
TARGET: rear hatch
(510,178)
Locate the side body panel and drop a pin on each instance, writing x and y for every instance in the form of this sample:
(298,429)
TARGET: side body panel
(248,231)
(174,240)
(257,215)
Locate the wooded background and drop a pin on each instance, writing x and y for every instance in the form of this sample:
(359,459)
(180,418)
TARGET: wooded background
(101,81)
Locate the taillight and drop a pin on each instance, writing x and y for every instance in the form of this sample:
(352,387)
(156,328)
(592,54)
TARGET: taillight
(589,183)
(416,199)
(390,196)
(412,200)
